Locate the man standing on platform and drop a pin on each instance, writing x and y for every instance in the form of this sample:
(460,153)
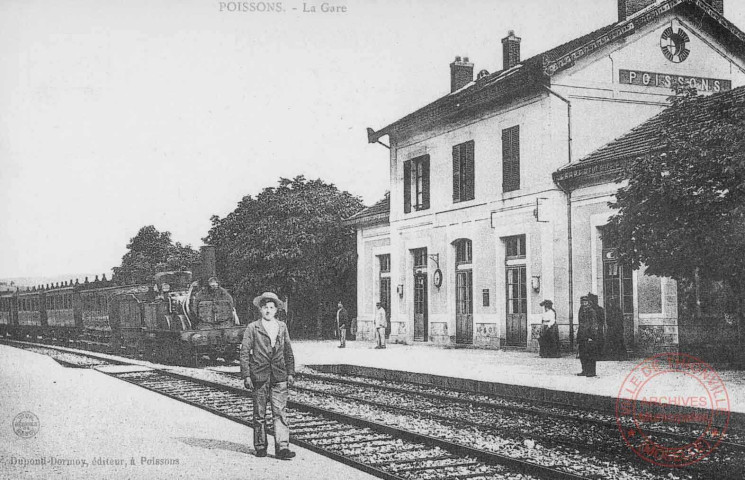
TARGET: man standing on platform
(380,325)
(267,367)
(588,338)
(342,322)
(600,314)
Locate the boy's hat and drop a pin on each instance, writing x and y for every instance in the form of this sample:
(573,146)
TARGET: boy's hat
(273,297)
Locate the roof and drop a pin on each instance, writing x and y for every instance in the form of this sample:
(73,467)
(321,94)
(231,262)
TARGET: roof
(536,71)
(377,214)
(643,140)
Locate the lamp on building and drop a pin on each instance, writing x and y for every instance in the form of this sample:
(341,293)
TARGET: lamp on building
(535,283)
(400,290)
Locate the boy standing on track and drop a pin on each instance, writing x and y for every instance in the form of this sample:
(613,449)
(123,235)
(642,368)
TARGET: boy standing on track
(267,367)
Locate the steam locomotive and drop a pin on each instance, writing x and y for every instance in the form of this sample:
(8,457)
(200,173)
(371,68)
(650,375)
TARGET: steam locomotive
(172,320)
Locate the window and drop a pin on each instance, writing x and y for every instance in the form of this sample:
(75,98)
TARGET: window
(463,251)
(416,184)
(463,172)
(511,158)
(420,257)
(385,263)
(618,283)
(515,247)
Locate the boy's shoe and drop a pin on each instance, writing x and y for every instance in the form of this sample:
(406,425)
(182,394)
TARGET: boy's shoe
(261,453)
(285,454)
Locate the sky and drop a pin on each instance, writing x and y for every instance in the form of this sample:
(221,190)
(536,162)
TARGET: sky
(116,114)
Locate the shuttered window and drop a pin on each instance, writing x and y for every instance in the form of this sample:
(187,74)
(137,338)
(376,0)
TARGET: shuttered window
(407,186)
(511,158)
(463,172)
(416,184)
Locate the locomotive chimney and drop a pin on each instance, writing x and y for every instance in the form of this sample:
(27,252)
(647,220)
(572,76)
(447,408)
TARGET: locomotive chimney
(208,267)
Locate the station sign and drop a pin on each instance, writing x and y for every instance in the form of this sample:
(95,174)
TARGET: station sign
(668,80)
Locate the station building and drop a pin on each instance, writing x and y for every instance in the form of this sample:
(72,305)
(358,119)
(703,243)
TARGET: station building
(499,190)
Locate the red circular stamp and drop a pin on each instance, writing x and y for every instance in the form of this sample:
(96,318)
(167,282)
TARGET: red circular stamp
(673,409)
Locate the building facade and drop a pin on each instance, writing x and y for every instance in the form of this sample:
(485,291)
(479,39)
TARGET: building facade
(489,212)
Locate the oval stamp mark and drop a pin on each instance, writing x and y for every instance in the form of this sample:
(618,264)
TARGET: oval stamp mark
(26,424)
(673,390)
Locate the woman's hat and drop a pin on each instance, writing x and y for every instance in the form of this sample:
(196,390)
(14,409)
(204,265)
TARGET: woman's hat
(546,303)
(271,296)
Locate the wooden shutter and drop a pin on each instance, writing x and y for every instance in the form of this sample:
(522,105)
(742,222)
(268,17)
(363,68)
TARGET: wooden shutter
(456,173)
(511,158)
(407,186)
(467,182)
(425,182)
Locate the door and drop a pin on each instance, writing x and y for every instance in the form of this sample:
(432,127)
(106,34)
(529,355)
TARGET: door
(464,307)
(618,290)
(517,306)
(420,308)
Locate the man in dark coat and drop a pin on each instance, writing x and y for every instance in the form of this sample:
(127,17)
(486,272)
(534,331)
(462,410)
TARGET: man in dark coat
(214,307)
(588,338)
(267,368)
(342,323)
(600,313)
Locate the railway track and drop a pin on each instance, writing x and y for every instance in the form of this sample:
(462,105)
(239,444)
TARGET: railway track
(165,357)
(598,440)
(481,409)
(376,448)
(493,402)
(394,430)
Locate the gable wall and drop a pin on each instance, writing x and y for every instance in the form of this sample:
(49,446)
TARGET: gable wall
(605,108)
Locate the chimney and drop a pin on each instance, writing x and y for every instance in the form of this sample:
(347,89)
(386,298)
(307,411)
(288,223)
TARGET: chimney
(510,50)
(207,268)
(627,8)
(461,73)
(718,5)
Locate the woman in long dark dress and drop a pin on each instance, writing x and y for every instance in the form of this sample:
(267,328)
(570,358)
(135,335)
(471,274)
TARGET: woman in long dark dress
(549,339)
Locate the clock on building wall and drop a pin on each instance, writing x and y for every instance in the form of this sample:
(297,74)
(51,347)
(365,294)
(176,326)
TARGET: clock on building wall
(437,278)
(674,44)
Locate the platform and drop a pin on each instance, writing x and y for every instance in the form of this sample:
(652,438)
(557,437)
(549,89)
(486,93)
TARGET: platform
(498,366)
(93,426)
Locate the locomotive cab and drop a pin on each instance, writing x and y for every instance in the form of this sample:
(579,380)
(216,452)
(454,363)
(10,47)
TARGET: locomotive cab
(177,321)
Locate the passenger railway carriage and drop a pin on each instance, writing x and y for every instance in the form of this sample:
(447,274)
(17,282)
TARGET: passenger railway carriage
(159,319)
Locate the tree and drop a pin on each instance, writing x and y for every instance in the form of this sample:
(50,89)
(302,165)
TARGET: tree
(290,239)
(150,252)
(682,213)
